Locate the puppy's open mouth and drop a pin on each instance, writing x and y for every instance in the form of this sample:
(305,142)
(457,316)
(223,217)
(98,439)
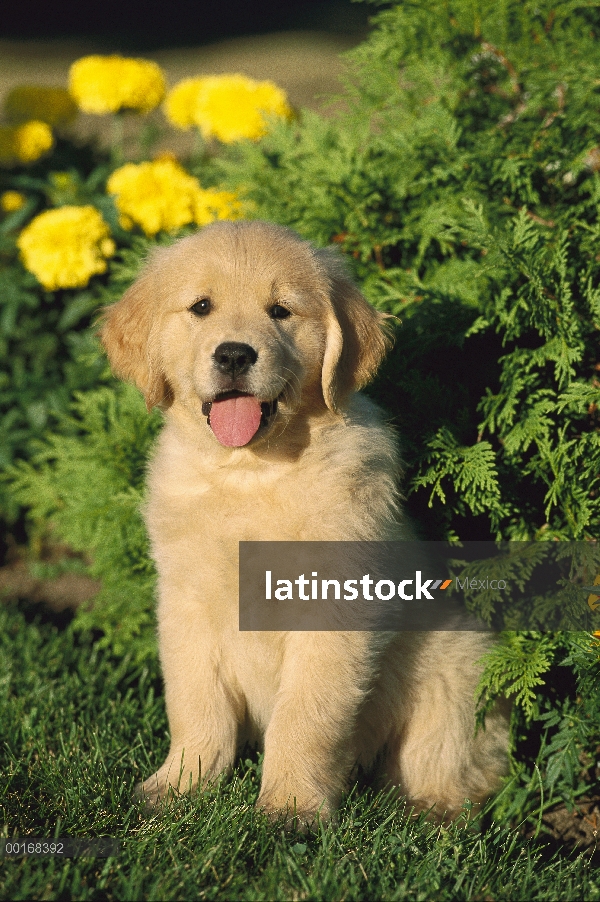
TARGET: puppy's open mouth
(235,417)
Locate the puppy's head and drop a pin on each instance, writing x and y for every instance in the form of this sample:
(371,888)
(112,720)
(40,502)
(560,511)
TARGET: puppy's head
(244,324)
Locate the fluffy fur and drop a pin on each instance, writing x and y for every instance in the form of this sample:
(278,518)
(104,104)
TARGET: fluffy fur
(324,467)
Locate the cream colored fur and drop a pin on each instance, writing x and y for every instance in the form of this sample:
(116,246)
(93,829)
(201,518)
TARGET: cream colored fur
(325,468)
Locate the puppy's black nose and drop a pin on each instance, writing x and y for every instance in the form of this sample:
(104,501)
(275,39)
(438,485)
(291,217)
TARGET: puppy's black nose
(234,358)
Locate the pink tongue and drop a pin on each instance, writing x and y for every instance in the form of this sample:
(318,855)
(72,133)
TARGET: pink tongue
(235,421)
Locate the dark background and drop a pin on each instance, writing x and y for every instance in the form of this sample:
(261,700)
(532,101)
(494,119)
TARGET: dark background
(149,25)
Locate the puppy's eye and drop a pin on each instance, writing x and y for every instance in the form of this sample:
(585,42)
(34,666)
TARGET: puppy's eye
(279,312)
(201,307)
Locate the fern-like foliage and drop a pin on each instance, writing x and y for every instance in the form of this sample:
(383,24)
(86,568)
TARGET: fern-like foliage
(471,470)
(552,680)
(515,668)
(87,481)
(461,180)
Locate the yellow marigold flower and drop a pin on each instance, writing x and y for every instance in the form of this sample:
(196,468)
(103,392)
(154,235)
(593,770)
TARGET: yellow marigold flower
(232,107)
(157,196)
(65,247)
(227,107)
(11,201)
(107,84)
(32,140)
(181,100)
(54,106)
(162,196)
(24,143)
(212,204)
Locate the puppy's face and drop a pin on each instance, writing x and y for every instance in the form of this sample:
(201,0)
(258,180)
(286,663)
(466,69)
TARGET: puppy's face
(244,324)
(243,332)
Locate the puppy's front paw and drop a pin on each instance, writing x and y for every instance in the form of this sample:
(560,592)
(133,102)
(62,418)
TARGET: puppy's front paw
(294,814)
(169,781)
(443,812)
(151,792)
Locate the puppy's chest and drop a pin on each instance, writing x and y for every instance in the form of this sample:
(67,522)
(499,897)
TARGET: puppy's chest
(238,506)
(340,488)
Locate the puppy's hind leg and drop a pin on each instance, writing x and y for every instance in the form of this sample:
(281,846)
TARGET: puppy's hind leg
(439,759)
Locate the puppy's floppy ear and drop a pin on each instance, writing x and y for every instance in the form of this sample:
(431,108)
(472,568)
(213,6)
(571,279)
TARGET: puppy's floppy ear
(357,340)
(129,333)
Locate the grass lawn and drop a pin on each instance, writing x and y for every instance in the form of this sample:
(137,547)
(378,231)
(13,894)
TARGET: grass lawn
(78,728)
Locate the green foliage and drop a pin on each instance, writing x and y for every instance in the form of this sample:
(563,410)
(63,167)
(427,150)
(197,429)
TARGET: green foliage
(472,470)
(44,356)
(514,668)
(87,480)
(46,349)
(461,179)
(553,680)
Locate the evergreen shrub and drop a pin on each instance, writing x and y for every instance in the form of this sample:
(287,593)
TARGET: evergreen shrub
(458,172)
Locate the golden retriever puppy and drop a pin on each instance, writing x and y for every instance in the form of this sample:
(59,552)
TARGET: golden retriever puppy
(254,344)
